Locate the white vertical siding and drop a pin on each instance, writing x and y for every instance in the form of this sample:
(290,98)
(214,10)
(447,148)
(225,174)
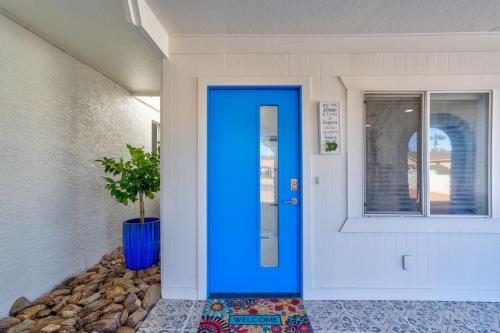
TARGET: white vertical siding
(344,265)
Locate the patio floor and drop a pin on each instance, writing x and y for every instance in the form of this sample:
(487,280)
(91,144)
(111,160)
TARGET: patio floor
(182,316)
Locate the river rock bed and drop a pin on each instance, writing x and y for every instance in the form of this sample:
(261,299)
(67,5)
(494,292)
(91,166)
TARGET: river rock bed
(106,298)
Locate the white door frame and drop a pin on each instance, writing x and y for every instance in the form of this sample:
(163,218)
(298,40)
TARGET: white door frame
(306,112)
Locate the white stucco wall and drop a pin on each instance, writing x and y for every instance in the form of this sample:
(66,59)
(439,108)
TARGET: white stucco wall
(338,265)
(56,116)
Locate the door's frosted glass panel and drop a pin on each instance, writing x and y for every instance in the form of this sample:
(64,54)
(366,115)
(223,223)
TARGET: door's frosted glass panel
(269,252)
(268,186)
(268,218)
(458,151)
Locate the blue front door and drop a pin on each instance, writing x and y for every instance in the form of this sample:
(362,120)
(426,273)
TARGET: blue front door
(254,201)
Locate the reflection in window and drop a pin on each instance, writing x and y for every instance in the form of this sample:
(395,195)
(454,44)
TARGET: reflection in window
(458,144)
(414,166)
(439,170)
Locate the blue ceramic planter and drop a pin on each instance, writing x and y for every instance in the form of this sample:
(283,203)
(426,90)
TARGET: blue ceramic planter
(141,242)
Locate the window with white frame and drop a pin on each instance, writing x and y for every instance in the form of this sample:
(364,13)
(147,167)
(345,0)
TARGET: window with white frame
(427,154)
(155,136)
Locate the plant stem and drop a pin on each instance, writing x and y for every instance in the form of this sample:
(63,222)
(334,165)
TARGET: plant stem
(141,207)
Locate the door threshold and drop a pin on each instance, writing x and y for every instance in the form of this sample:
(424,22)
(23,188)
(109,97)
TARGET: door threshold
(254,295)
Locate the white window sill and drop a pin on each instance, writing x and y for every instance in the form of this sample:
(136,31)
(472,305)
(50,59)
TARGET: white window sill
(422,224)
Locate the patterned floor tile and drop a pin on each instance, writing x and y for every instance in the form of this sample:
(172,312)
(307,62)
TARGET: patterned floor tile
(317,306)
(454,308)
(481,315)
(321,314)
(383,312)
(178,316)
(170,315)
(347,306)
(322,323)
(417,324)
(349,322)
(194,316)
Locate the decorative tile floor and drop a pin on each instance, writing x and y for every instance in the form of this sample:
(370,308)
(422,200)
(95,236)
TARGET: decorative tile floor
(182,316)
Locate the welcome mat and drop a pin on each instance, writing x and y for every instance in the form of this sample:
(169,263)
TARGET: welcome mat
(254,315)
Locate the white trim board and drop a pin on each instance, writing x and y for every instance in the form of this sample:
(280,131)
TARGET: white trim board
(179,293)
(378,43)
(307,109)
(356,86)
(140,15)
(420,82)
(421,224)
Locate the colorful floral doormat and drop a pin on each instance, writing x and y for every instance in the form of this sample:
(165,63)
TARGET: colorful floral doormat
(251,315)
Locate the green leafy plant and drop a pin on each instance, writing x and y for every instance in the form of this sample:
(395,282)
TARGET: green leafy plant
(331,146)
(134,179)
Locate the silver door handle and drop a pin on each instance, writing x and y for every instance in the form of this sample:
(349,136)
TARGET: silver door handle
(292,201)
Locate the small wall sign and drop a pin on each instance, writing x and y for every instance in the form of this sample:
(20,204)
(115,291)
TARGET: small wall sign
(329,127)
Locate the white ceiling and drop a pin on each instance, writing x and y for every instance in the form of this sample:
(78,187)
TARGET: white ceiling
(326,16)
(97,33)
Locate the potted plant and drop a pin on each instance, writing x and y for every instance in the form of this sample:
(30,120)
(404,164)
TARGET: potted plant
(132,180)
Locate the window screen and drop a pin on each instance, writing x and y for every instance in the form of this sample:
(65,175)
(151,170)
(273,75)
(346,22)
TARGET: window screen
(458,153)
(393,154)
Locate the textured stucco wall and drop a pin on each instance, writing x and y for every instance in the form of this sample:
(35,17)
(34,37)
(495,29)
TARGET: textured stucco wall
(56,116)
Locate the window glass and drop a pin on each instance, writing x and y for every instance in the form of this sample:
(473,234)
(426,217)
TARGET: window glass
(458,153)
(155,136)
(393,154)
(269,186)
